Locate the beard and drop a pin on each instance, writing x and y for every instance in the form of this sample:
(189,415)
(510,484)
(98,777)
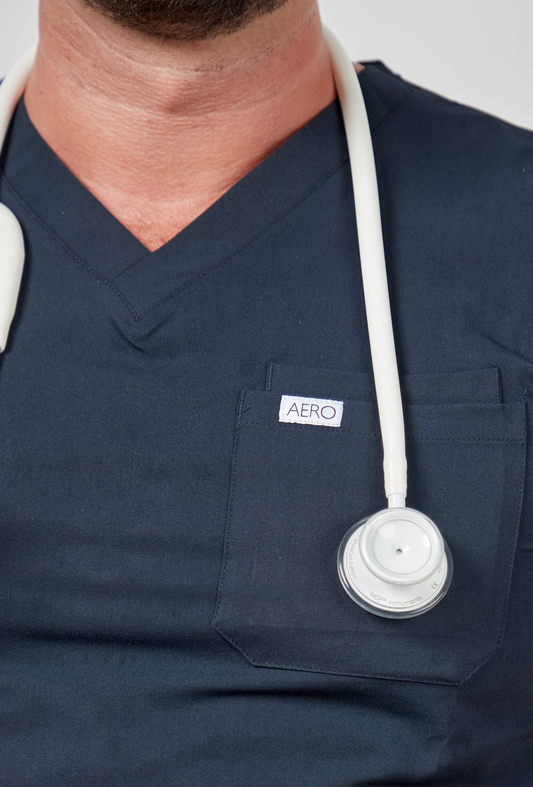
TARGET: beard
(186,20)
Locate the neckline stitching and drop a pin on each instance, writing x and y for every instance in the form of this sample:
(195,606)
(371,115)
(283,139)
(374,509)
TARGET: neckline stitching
(246,245)
(63,245)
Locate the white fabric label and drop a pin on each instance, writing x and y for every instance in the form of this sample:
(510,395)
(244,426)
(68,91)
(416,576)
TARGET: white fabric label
(316,412)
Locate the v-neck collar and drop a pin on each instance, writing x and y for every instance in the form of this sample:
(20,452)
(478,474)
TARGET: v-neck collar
(253,204)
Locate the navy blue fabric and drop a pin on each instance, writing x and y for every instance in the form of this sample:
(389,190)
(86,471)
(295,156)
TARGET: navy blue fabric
(170,612)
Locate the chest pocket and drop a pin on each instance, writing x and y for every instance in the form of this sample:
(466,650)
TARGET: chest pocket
(296,489)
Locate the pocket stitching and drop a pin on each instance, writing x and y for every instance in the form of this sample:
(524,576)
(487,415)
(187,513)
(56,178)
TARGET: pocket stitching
(517,523)
(338,430)
(229,515)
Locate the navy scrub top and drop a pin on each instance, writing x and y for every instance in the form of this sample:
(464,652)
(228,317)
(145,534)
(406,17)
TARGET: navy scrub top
(170,611)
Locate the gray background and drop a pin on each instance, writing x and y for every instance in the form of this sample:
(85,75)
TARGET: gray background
(478,52)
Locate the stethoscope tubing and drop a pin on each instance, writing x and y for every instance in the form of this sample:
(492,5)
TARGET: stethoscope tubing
(371,250)
(11,238)
(374,272)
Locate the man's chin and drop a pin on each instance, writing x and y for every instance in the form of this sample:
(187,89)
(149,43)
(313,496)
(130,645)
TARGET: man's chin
(186,20)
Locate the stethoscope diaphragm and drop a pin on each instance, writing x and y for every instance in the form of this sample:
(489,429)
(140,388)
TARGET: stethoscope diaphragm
(395,563)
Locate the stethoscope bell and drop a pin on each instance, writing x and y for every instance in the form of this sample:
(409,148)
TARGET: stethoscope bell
(395,563)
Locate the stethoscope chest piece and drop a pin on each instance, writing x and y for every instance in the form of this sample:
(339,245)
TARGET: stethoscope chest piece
(395,563)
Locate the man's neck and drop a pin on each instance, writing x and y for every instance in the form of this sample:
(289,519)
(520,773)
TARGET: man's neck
(159,129)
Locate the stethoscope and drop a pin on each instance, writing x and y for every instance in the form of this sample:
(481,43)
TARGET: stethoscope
(395,563)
